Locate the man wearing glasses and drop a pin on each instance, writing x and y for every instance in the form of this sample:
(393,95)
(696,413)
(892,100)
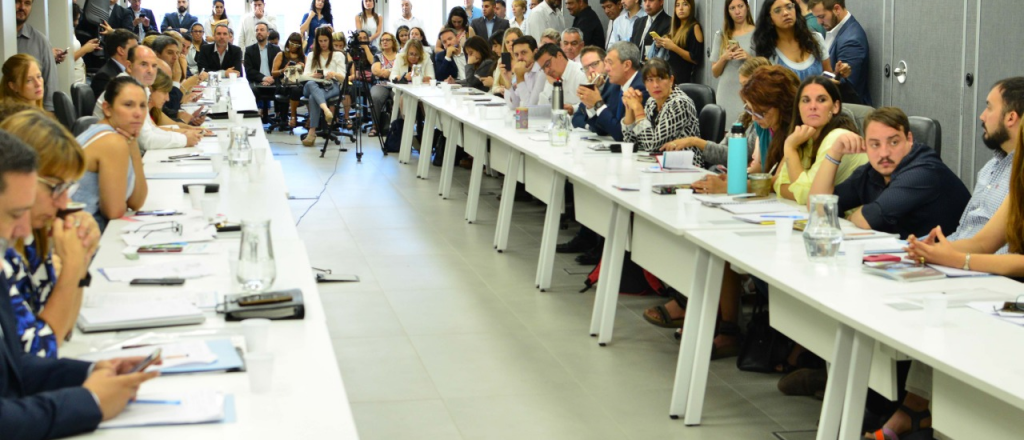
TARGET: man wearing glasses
(556,66)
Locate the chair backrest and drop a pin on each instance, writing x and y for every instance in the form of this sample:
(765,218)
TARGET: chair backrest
(927,131)
(64,109)
(83,123)
(712,123)
(82,96)
(701,95)
(857,112)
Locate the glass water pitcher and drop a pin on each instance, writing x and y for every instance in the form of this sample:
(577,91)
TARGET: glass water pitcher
(561,125)
(823,236)
(239,151)
(256,266)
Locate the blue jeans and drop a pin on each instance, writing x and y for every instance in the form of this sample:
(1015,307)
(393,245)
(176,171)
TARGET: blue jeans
(318,95)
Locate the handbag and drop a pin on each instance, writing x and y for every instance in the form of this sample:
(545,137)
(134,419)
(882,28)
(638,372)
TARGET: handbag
(292,75)
(764,347)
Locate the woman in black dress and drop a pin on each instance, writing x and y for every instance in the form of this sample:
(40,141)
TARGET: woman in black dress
(685,44)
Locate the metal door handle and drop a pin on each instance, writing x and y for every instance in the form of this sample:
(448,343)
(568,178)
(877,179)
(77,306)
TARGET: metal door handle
(901,72)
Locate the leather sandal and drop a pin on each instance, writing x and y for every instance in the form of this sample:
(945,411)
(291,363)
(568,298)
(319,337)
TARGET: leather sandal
(662,318)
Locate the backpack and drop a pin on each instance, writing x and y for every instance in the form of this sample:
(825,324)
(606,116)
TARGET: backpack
(393,141)
(635,280)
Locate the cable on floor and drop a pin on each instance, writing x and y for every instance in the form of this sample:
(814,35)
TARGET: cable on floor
(328,181)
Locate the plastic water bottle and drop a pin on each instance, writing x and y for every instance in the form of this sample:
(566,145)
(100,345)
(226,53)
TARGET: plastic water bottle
(737,160)
(557,98)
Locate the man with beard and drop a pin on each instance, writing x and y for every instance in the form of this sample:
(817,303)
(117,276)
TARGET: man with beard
(258,59)
(180,21)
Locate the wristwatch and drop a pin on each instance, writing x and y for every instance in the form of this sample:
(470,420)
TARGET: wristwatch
(84,282)
(967,262)
(598,105)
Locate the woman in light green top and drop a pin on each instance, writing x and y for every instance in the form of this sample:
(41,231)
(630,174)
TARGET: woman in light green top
(817,123)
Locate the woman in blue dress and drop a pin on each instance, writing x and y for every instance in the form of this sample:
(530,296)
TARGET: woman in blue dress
(319,14)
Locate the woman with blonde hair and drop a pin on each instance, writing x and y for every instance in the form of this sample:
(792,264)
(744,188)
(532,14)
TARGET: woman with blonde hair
(22,80)
(729,51)
(413,56)
(518,20)
(685,42)
(500,83)
(45,305)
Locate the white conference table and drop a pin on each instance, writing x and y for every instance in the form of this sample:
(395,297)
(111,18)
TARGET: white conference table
(307,396)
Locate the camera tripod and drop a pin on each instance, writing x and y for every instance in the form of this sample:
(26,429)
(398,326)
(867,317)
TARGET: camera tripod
(361,89)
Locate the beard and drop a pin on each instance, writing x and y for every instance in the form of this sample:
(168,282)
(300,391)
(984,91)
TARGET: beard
(994,140)
(181,9)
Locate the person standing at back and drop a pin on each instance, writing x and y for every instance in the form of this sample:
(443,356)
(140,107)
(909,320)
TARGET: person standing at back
(143,22)
(657,22)
(218,16)
(812,21)
(518,19)
(369,21)
(784,39)
(586,20)
(319,14)
(472,12)
(501,9)
(180,20)
(247,32)
(34,43)
(685,44)
(406,19)
(847,44)
(547,15)
(623,25)
(489,23)
(729,52)
(612,10)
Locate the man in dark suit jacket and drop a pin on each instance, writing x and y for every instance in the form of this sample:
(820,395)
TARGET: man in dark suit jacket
(210,56)
(657,21)
(115,46)
(585,19)
(498,25)
(142,20)
(604,116)
(849,44)
(449,63)
(43,398)
(180,21)
(259,60)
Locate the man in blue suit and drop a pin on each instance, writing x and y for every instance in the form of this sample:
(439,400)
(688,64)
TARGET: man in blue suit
(847,44)
(142,19)
(603,113)
(43,398)
(180,21)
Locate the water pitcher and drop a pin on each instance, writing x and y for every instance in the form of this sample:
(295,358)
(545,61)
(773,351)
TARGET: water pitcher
(822,236)
(256,267)
(561,125)
(239,151)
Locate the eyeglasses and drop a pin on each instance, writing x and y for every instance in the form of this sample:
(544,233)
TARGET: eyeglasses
(788,8)
(752,113)
(172,226)
(547,65)
(593,65)
(58,189)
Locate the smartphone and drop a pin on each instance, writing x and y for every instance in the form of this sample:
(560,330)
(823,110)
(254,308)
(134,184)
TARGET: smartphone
(203,111)
(654,34)
(157,282)
(149,360)
(264,298)
(881,258)
(732,43)
(158,212)
(506,61)
(829,75)
(210,187)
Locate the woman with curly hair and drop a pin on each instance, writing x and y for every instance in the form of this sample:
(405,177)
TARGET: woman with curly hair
(319,15)
(783,37)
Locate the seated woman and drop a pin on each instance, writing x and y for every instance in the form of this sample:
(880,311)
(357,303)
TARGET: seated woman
(382,66)
(500,83)
(114,181)
(328,66)
(46,306)
(290,56)
(479,65)
(22,80)
(402,34)
(159,94)
(818,123)
(669,114)
(718,154)
(414,56)
(419,34)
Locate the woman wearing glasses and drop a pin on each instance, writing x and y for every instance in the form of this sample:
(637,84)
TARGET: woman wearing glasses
(46,306)
(668,114)
(782,36)
(197,41)
(114,181)
(291,56)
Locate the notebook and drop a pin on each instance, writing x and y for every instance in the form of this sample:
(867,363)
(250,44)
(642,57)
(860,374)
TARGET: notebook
(190,356)
(759,207)
(178,408)
(139,315)
(903,271)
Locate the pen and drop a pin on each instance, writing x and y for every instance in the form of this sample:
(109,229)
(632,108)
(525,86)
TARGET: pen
(795,217)
(158,402)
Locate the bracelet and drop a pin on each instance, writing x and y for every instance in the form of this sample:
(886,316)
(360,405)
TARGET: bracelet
(831,159)
(967,262)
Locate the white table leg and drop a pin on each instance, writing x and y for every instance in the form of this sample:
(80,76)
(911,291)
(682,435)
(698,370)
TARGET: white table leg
(430,120)
(475,180)
(857,387)
(706,315)
(688,343)
(508,196)
(546,261)
(835,389)
(395,105)
(611,273)
(448,168)
(409,106)
(606,252)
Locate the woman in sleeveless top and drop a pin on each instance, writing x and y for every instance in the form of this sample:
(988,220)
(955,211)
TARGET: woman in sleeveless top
(369,21)
(46,307)
(729,51)
(783,37)
(114,181)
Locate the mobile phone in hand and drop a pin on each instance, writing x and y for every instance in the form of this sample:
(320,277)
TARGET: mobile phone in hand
(506,61)
(149,360)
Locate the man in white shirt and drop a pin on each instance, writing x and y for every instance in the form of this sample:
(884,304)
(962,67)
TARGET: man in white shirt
(572,43)
(247,33)
(142,65)
(622,27)
(547,15)
(556,66)
(526,77)
(499,9)
(407,19)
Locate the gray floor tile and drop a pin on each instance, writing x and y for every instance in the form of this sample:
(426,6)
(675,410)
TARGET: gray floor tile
(413,419)
(382,369)
(561,416)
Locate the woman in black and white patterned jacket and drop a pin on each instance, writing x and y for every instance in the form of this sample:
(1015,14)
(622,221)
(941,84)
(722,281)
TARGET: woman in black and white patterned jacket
(669,114)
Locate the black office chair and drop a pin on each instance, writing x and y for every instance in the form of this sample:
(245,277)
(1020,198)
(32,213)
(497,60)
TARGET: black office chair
(84,100)
(701,95)
(927,131)
(83,123)
(857,112)
(64,109)
(712,123)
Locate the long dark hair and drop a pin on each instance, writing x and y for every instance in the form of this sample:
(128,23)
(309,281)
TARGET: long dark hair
(295,38)
(213,12)
(458,11)
(839,120)
(325,11)
(322,31)
(422,34)
(766,37)
(480,46)
(372,11)
(1015,221)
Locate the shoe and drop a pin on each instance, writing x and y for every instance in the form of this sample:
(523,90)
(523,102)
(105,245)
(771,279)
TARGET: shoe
(466,163)
(591,257)
(574,246)
(660,317)
(309,140)
(916,430)
(804,382)
(329,116)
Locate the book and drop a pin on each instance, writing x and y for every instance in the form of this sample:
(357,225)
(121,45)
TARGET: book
(292,309)
(139,315)
(191,356)
(904,271)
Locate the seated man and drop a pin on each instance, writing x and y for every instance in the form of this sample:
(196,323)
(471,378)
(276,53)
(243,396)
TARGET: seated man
(258,59)
(221,55)
(557,66)
(450,65)
(605,114)
(42,398)
(526,77)
(904,189)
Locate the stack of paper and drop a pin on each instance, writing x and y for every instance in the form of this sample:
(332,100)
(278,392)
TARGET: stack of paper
(759,207)
(173,409)
(677,162)
(194,356)
(186,269)
(769,219)
(885,245)
(191,229)
(139,315)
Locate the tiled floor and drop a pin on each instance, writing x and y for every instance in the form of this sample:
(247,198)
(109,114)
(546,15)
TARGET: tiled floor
(444,338)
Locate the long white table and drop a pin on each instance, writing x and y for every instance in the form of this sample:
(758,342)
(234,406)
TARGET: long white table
(307,397)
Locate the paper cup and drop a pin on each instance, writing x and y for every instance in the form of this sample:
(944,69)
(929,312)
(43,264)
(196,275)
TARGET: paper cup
(646,182)
(783,229)
(217,160)
(210,208)
(257,335)
(853,254)
(195,192)
(260,369)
